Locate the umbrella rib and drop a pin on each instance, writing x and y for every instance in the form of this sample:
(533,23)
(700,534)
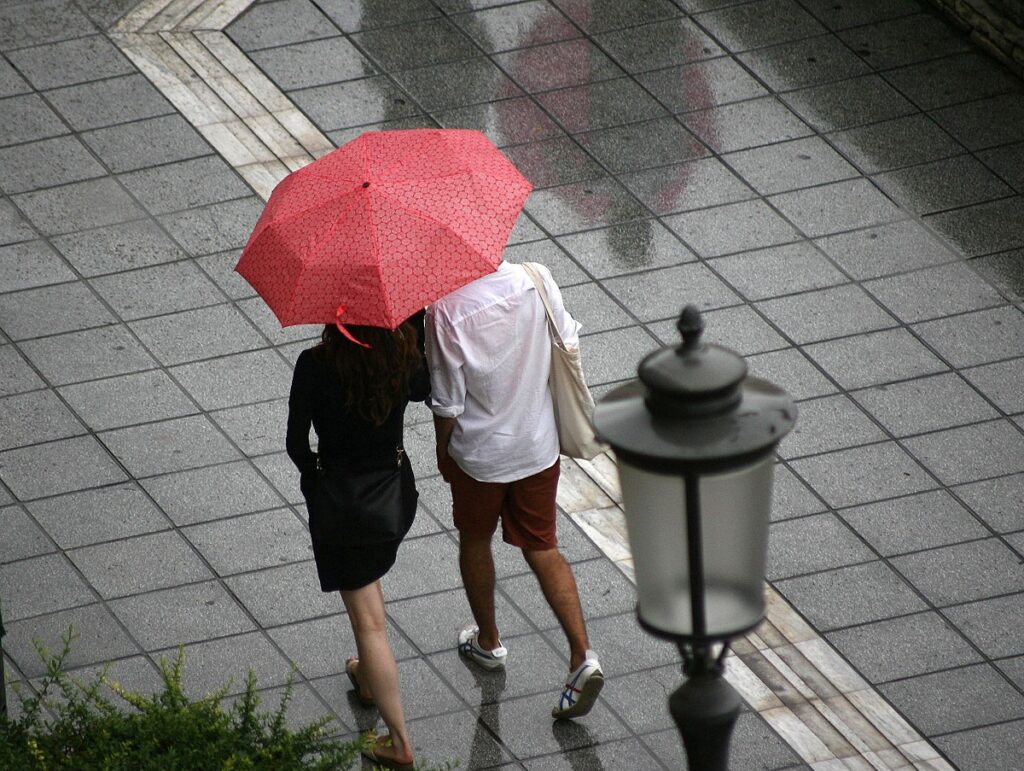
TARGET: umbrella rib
(296,214)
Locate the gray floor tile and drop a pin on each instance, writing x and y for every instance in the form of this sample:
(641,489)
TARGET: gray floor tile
(625,248)
(826,313)
(198,334)
(811,544)
(22,536)
(995,746)
(127,400)
(803,63)
(139,564)
(886,249)
(255,428)
(829,423)
(863,474)
(283,595)
(755,746)
(583,205)
(36,416)
(432,621)
(560,65)
(761,23)
(993,625)
(741,125)
(1014,669)
(916,522)
(118,247)
(109,102)
(11,83)
(181,615)
(210,493)
(738,328)
(622,646)
(850,595)
(613,15)
(971,123)
(849,103)
(44,22)
(836,16)
(214,228)
(221,269)
(83,462)
(903,647)
(945,184)
(933,292)
(631,697)
(600,105)
(682,187)
(171,445)
(15,374)
(963,572)
(966,454)
(31,264)
(780,270)
(424,565)
(1003,270)
(790,165)
(641,145)
(973,696)
(98,638)
(999,501)
(252,541)
(227,662)
(716,82)
(892,144)
(793,371)
(313,63)
(428,41)
(26,118)
(592,306)
(505,27)
(280,23)
(875,358)
(451,85)
(925,404)
(236,379)
(950,80)
(70,61)
(51,310)
(185,184)
(1007,162)
(905,40)
(157,290)
(101,514)
(456,735)
(658,45)
(565,270)
(259,313)
(553,162)
(149,142)
(615,754)
(612,356)
(47,163)
(13,226)
(281,474)
(661,294)
(982,228)
(507,122)
(734,227)
(78,206)
(41,585)
(791,497)
(835,207)
(999,382)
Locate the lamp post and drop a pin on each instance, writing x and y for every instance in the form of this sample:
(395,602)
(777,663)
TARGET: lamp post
(694,438)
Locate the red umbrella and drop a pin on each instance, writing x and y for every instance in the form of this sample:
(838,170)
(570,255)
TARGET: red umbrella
(383,226)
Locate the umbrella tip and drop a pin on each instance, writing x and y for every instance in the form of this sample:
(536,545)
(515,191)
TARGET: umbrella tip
(366,184)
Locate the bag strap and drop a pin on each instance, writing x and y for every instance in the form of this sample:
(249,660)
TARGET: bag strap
(538,282)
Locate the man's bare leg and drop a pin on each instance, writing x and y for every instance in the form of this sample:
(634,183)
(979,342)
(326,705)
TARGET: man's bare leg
(559,587)
(476,563)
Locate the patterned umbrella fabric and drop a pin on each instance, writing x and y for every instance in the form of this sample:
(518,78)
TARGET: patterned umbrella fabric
(381,227)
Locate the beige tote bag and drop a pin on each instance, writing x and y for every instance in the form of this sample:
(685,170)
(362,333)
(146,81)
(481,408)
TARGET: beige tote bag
(574,405)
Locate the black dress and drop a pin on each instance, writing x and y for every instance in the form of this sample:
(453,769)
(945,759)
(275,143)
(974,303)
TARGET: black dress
(347,440)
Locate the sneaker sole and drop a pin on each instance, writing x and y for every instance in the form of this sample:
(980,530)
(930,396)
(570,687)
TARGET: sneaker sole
(586,701)
(489,664)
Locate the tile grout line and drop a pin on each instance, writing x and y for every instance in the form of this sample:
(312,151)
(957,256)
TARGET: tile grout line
(180,47)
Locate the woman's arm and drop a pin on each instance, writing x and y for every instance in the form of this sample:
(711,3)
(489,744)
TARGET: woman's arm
(300,415)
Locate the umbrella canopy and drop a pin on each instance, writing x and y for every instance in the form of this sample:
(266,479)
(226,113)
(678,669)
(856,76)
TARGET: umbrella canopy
(383,226)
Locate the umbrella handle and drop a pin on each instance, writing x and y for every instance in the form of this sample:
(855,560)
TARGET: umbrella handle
(341,327)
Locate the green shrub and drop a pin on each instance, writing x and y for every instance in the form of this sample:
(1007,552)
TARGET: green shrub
(87,730)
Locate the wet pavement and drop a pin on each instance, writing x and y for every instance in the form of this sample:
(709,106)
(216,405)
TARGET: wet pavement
(837,186)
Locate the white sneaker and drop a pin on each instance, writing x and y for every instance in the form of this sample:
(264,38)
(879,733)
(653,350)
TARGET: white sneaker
(581,690)
(468,647)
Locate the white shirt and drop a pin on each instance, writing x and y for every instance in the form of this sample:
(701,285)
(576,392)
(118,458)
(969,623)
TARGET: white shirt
(489,355)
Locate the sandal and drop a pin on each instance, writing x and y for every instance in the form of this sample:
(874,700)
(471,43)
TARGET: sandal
(370,754)
(366,701)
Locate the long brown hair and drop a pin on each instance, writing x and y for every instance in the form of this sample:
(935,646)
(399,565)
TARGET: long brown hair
(373,378)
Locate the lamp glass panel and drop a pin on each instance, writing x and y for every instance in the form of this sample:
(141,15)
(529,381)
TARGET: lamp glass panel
(735,509)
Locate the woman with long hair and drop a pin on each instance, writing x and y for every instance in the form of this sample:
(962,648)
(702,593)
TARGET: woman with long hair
(355,397)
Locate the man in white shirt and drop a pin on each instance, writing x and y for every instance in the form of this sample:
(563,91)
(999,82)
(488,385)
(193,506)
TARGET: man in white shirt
(489,354)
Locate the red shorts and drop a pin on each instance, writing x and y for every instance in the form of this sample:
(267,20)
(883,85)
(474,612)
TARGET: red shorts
(526,507)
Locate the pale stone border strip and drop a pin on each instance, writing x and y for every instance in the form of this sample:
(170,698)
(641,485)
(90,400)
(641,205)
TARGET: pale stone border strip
(810,695)
(784,670)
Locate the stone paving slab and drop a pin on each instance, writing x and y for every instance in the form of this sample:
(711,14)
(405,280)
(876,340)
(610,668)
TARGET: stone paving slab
(840,187)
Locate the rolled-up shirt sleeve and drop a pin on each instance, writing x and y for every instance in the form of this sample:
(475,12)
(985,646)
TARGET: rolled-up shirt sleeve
(444,358)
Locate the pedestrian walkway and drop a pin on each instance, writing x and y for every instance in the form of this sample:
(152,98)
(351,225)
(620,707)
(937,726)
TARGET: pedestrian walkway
(838,186)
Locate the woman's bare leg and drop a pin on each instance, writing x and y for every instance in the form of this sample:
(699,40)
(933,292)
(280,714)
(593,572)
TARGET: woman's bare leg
(377,670)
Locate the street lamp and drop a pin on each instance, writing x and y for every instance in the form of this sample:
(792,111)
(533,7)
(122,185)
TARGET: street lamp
(694,438)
